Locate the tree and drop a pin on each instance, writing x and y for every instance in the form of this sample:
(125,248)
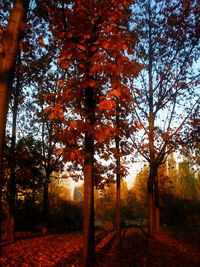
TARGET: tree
(173,173)
(12,181)
(165,89)
(9,48)
(106,207)
(191,147)
(51,154)
(118,178)
(28,166)
(129,207)
(140,190)
(178,193)
(27,173)
(187,181)
(29,70)
(121,150)
(91,53)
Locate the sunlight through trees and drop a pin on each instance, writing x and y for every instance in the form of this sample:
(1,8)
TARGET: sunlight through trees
(87,88)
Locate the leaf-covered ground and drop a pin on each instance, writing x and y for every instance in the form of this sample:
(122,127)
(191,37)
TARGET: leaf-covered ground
(171,248)
(166,250)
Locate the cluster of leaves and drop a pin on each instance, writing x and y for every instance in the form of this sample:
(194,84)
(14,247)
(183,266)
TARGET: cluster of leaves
(92,54)
(28,164)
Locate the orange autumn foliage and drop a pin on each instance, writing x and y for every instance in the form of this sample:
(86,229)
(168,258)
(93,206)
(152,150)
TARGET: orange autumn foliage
(92,55)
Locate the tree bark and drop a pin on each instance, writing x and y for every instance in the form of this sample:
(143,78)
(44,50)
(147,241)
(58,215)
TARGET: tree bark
(45,206)
(118,196)
(118,204)
(150,205)
(9,48)
(12,182)
(151,136)
(157,203)
(88,252)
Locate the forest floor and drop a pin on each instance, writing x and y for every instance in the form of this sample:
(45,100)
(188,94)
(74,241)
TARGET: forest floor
(173,247)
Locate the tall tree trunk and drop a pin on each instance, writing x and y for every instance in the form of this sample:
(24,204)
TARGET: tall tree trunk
(9,47)
(88,252)
(118,197)
(150,205)
(45,210)
(12,182)
(151,135)
(157,203)
(118,207)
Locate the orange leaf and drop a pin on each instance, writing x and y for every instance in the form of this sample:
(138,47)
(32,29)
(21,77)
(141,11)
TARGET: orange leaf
(41,42)
(117,93)
(58,152)
(107,104)
(92,83)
